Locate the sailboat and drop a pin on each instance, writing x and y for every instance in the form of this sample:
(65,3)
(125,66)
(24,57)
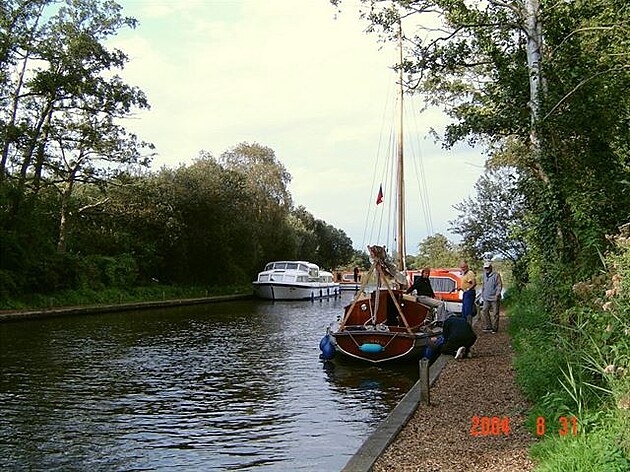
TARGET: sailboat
(387,324)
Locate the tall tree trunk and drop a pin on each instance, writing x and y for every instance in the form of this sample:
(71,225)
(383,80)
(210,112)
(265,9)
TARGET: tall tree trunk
(28,157)
(64,212)
(10,126)
(44,117)
(537,89)
(41,147)
(533,29)
(63,222)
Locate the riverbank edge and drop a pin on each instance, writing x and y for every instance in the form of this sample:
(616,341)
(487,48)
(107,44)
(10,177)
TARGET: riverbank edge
(363,460)
(97,309)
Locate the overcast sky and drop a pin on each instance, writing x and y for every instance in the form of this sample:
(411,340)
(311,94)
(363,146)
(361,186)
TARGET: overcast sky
(295,76)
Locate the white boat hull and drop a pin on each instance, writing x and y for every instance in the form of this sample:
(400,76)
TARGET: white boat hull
(294,291)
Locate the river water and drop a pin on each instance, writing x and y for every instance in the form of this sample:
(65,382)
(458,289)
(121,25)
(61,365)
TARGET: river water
(227,386)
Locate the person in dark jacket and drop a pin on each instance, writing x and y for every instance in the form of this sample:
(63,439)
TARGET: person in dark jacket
(458,337)
(426,295)
(422,285)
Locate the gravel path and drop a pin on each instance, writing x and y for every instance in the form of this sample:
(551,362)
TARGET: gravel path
(452,434)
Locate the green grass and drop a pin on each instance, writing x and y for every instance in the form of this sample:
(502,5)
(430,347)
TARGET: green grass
(117,295)
(559,368)
(600,450)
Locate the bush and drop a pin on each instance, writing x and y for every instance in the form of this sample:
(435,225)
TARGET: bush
(576,362)
(8,285)
(539,359)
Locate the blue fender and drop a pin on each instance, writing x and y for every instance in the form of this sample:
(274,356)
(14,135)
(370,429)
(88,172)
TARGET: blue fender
(371,347)
(329,351)
(325,340)
(327,347)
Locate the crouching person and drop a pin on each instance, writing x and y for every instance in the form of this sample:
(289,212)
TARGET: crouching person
(458,337)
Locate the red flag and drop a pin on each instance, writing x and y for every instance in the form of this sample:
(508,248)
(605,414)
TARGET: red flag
(379,197)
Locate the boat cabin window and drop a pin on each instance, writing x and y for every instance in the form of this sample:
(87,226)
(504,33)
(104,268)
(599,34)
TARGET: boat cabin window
(269,266)
(302,278)
(443,284)
(292,266)
(263,278)
(303,268)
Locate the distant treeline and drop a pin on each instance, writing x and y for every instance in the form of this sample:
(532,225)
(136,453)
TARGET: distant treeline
(214,222)
(79,207)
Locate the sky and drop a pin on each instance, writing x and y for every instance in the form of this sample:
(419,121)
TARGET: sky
(299,77)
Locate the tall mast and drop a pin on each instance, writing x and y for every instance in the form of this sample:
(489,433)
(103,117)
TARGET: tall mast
(401,180)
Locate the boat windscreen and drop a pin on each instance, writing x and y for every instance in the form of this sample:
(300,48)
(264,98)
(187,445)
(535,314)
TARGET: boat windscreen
(443,284)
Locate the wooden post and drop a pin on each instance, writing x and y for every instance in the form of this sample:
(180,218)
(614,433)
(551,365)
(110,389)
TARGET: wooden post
(424,382)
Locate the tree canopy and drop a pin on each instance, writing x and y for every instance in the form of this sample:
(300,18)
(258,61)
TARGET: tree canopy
(436,251)
(543,86)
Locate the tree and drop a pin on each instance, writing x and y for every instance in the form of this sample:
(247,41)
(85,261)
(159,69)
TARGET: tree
(437,251)
(360,259)
(302,224)
(265,174)
(564,103)
(334,246)
(61,111)
(267,182)
(19,32)
(63,115)
(493,222)
(320,242)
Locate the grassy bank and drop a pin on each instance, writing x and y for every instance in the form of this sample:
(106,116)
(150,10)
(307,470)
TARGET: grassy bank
(117,295)
(574,368)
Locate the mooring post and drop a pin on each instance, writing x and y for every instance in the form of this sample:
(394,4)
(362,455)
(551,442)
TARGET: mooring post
(424,381)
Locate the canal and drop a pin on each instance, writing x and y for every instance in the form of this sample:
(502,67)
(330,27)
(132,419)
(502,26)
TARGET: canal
(227,386)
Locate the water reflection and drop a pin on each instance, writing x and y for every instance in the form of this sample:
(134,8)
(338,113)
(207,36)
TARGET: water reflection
(218,387)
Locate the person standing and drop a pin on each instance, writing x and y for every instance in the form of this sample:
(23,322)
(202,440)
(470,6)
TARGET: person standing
(491,295)
(469,284)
